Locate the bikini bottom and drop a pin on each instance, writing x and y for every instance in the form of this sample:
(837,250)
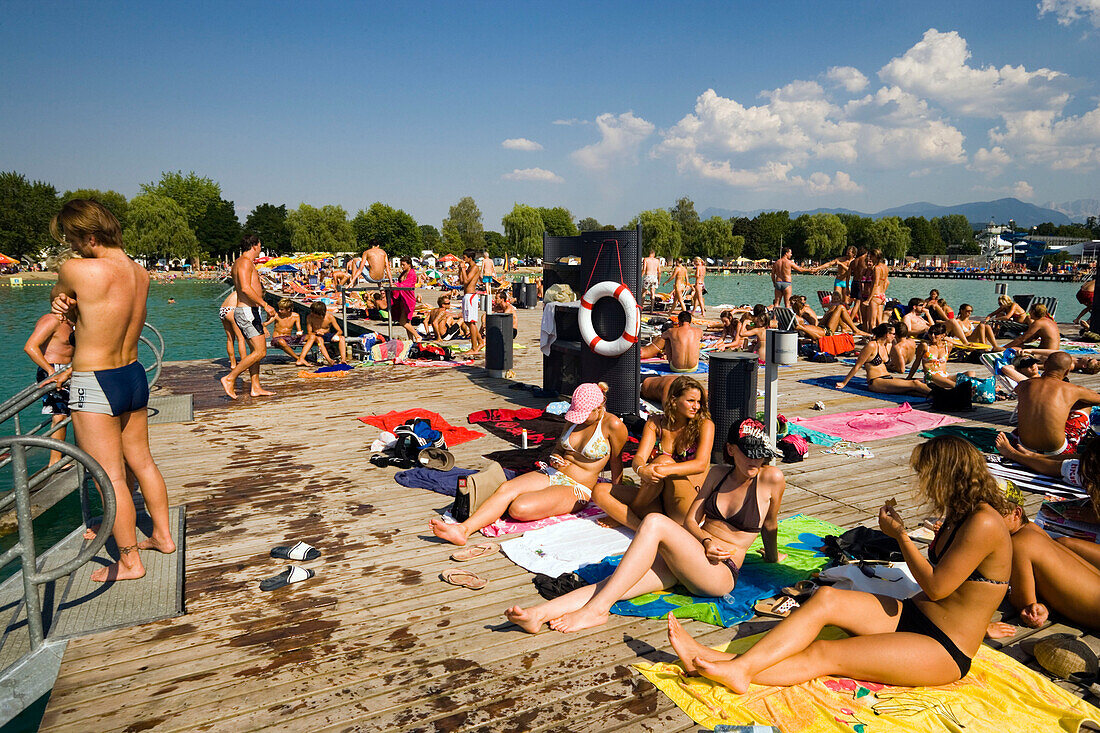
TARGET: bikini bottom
(913,621)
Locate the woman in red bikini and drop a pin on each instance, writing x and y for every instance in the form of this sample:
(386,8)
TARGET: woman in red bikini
(927,640)
(737,503)
(672,460)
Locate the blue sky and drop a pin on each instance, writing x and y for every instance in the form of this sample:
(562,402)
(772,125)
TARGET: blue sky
(605,108)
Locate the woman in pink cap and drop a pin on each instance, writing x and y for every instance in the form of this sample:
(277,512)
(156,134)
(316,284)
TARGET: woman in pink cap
(737,503)
(593,441)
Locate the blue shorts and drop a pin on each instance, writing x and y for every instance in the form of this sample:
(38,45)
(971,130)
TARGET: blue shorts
(110,391)
(57,401)
(838,283)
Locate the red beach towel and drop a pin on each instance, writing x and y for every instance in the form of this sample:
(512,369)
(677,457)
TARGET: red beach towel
(453,435)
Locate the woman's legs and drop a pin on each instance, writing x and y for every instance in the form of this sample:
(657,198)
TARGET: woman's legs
(624,503)
(497,504)
(1087,551)
(232,334)
(101,436)
(942,380)
(139,459)
(1045,571)
(678,494)
(790,653)
(900,386)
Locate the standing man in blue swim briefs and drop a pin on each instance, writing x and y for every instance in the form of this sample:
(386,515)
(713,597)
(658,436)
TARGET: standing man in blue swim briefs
(104,293)
(782,279)
(249,317)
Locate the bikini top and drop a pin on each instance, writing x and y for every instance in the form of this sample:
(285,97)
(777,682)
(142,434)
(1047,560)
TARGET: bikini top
(596,448)
(745,519)
(934,557)
(937,361)
(684,455)
(877,361)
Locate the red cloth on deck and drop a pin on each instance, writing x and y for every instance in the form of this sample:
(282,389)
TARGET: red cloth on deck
(453,435)
(523,413)
(837,344)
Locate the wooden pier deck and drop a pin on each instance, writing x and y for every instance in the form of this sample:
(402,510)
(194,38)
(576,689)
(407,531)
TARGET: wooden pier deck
(376,641)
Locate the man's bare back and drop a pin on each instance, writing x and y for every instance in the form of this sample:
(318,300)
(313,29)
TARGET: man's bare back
(782,270)
(1044,404)
(682,346)
(110,294)
(651,267)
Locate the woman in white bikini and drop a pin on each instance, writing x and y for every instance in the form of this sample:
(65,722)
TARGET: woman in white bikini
(932,355)
(593,441)
(737,503)
(873,359)
(232,330)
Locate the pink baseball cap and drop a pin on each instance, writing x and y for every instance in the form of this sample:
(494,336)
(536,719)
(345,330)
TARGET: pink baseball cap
(586,398)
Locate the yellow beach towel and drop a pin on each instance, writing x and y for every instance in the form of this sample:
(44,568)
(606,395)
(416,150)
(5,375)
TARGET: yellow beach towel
(999,694)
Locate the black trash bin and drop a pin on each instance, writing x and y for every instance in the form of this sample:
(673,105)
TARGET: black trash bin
(498,343)
(519,294)
(531,294)
(731,393)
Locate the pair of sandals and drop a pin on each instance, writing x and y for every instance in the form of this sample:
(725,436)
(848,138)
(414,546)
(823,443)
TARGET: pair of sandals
(788,599)
(299,552)
(468,578)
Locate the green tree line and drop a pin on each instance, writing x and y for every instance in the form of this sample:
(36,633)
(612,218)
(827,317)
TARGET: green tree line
(185,216)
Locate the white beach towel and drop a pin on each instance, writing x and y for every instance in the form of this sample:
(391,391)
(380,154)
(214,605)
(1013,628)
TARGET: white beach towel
(564,547)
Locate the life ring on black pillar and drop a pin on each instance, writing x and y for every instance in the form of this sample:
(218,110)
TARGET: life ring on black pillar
(629,337)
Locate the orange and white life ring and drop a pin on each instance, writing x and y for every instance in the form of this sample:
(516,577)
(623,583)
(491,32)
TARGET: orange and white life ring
(633,313)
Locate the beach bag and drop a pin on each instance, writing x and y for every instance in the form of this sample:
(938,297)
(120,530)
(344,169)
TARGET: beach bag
(861,544)
(983,391)
(793,447)
(957,399)
(430,352)
(474,489)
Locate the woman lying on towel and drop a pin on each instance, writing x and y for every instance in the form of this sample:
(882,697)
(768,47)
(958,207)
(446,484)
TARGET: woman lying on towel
(672,459)
(926,640)
(874,358)
(704,553)
(593,441)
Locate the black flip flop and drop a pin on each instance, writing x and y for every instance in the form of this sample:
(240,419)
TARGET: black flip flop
(292,574)
(300,552)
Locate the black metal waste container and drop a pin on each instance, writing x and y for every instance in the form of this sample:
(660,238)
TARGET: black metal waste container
(519,294)
(531,294)
(731,393)
(498,343)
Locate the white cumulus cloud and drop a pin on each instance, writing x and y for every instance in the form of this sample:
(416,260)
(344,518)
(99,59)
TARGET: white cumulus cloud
(540,175)
(1069,11)
(1023,190)
(1043,137)
(936,69)
(520,143)
(620,138)
(990,161)
(569,122)
(849,77)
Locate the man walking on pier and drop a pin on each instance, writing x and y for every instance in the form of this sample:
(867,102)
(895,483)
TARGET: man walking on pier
(469,276)
(651,276)
(249,318)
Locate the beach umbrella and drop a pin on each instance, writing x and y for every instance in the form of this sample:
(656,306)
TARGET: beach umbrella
(285,268)
(5,260)
(448,258)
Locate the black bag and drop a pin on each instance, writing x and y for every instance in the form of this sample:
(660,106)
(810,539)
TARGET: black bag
(862,544)
(960,398)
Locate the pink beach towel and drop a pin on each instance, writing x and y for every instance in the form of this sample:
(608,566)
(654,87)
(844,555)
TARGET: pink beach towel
(864,425)
(504,526)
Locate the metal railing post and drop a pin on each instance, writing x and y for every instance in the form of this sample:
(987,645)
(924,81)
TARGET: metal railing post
(26,545)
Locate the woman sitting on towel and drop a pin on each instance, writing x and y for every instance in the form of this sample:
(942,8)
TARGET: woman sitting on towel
(672,460)
(874,358)
(926,640)
(593,441)
(932,355)
(704,553)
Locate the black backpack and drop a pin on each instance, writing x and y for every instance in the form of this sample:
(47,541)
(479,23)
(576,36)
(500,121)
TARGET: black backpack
(862,544)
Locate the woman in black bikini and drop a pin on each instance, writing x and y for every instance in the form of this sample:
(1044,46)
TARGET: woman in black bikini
(672,460)
(873,358)
(704,553)
(926,640)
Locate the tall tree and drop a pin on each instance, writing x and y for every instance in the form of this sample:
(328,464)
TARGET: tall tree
(891,236)
(114,201)
(394,230)
(956,233)
(462,228)
(192,192)
(429,237)
(156,226)
(496,243)
(925,237)
(588,224)
(658,232)
(716,238)
(523,228)
(268,222)
(859,229)
(769,234)
(820,235)
(558,222)
(686,221)
(26,208)
(219,230)
(326,229)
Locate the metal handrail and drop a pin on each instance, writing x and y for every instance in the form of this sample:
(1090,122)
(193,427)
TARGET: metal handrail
(24,548)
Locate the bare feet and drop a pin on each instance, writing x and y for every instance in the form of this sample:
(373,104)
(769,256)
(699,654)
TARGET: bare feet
(525,618)
(261,392)
(1000,630)
(582,618)
(227,385)
(689,650)
(118,571)
(728,673)
(167,546)
(300,363)
(453,533)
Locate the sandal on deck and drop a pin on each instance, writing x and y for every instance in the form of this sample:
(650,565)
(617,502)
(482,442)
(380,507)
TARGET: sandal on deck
(780,607)
(800,589)
(464,579)
(292,574)
(299,552)
(473,553)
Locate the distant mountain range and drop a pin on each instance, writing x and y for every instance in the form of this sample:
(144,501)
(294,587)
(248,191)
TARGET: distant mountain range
(978,213)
